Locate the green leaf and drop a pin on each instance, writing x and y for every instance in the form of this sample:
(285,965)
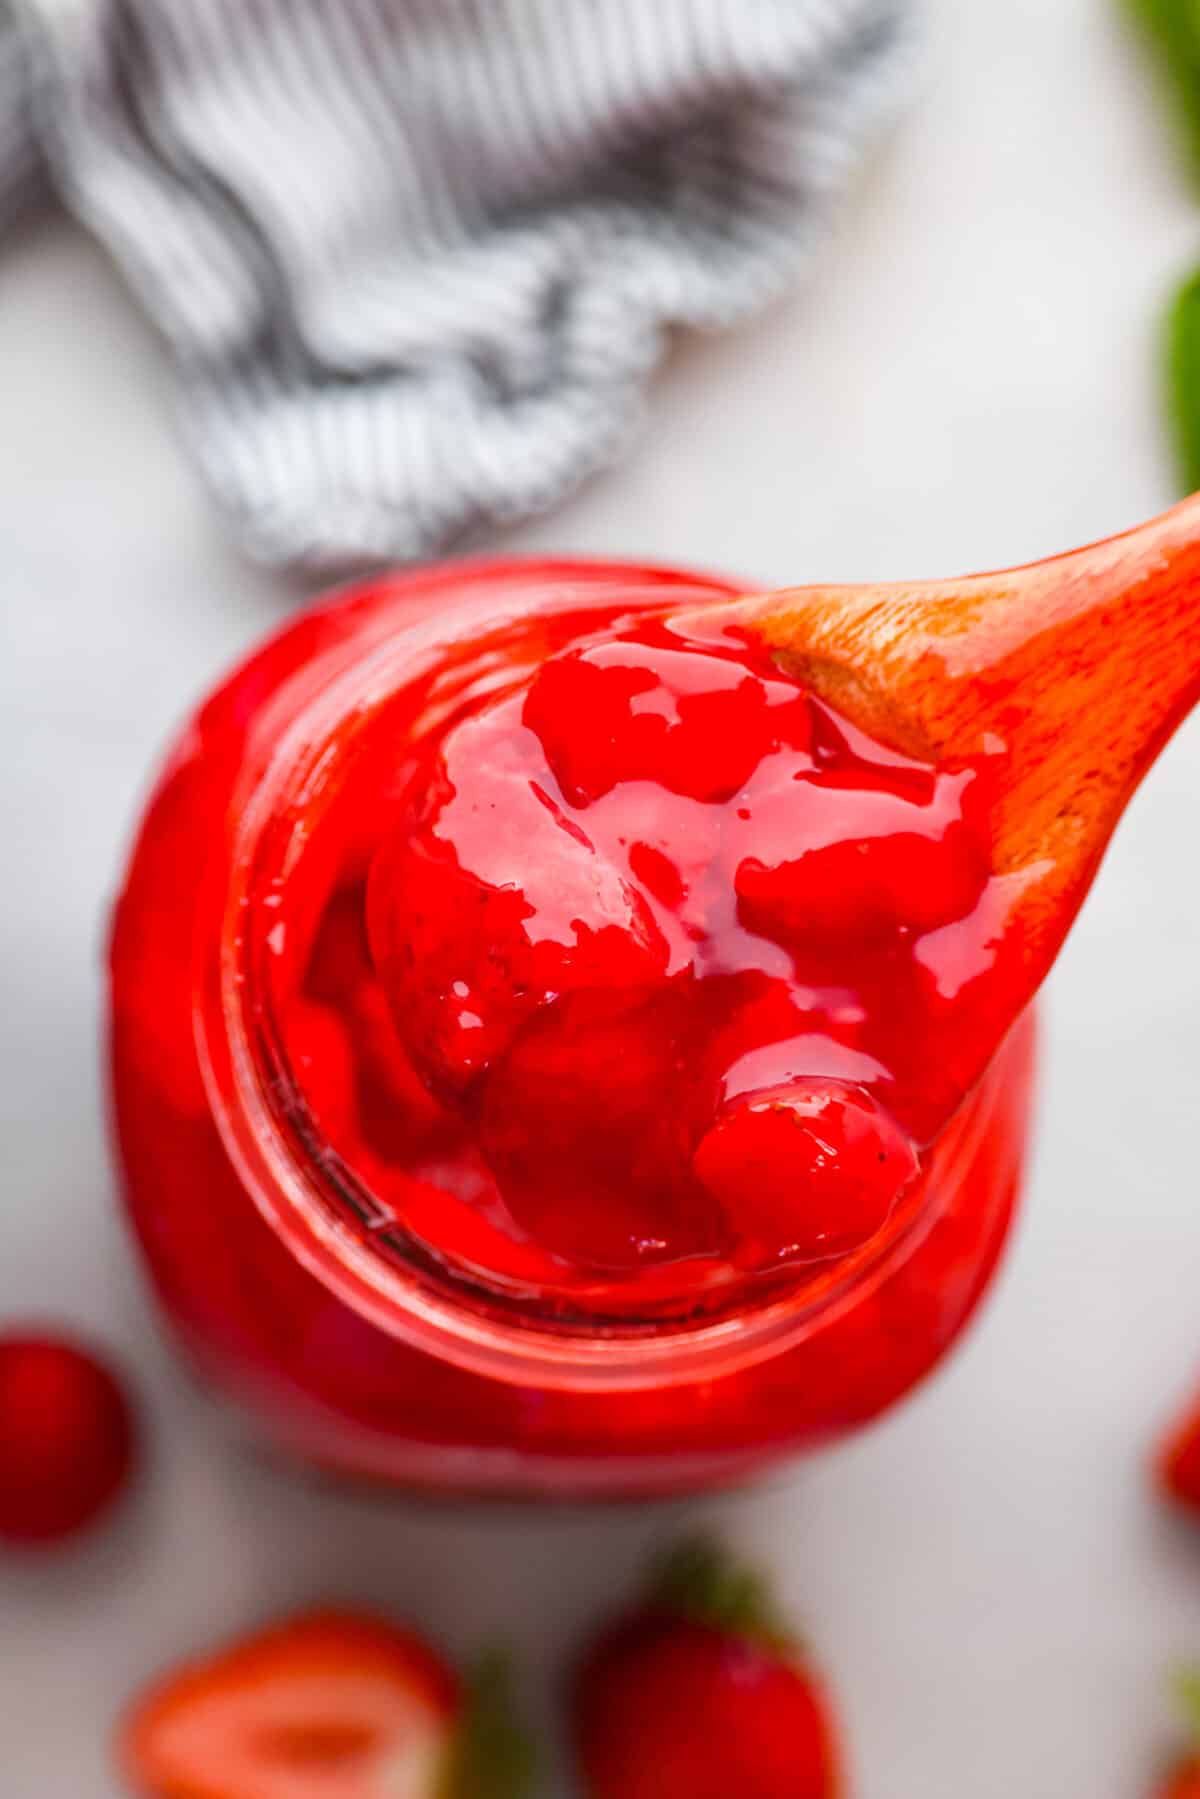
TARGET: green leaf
(491,1756)
(700,1580)
(1183,380)
(1172,29)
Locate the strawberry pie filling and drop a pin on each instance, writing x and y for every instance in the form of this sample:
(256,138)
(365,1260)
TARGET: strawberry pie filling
(623,977)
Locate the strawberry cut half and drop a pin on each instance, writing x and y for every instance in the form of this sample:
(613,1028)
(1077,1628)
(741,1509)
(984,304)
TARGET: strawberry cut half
(327,1705)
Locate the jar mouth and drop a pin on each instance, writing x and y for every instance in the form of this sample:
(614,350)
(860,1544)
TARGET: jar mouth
(322,1208)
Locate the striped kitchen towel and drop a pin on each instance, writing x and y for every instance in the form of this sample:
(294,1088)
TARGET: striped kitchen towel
(415,259)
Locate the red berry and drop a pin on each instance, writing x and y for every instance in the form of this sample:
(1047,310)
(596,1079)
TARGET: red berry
(1182,1783)
(340,961)
(843,855)
(332,1704)
(1177,1464)
(701,1698)
(66,1439)
(492,901)
(692,722)
(323,1063)
(804,1172)
(580,1123)
(397,1113)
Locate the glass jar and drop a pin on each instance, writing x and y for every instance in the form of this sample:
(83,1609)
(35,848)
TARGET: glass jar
(295,1294)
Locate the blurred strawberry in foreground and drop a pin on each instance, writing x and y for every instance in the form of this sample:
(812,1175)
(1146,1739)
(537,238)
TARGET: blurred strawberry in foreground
(699,1693)
(1184,1783)
(1183,1780)
(66,1440)
(328,1705)
(1177,1463)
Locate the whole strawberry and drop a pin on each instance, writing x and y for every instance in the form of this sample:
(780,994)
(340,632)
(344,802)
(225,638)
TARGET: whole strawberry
(1177,1464)
(328,1705)
(699,1693)
(1183,1783)
(67,1439)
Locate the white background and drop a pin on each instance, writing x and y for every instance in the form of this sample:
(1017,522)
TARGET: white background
(969,380)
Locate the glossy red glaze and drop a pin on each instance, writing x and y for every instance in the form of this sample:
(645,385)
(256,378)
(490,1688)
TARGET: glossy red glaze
(503,1193)
(663,933)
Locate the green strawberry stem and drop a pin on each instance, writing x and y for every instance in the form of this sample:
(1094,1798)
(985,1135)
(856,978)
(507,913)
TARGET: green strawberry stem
(1183,380)
(699,1580)
(1186,1684)
(491,1756)
(1172,28)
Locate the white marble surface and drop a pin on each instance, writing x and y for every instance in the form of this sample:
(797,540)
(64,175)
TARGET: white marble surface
(968,381)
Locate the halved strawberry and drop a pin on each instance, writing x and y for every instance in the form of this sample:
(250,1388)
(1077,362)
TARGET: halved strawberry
(327,1705)
(698,1693)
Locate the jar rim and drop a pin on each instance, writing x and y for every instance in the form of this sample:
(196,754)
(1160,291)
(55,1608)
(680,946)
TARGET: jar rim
(299,1186)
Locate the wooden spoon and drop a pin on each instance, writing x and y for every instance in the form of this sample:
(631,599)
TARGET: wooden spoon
(1079,668)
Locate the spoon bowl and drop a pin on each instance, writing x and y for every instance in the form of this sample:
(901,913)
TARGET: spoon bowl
(1077,669)
(1064,677)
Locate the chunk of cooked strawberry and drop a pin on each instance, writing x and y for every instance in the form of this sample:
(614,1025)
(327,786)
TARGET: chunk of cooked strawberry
(639,709)
(582,1125)
(886,857)
(492,901)
(804,1172)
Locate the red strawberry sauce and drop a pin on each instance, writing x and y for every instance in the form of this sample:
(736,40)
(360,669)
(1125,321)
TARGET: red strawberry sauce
(598,980)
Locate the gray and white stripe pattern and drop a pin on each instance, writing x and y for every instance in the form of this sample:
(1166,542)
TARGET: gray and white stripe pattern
(416,258)
(20,170)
